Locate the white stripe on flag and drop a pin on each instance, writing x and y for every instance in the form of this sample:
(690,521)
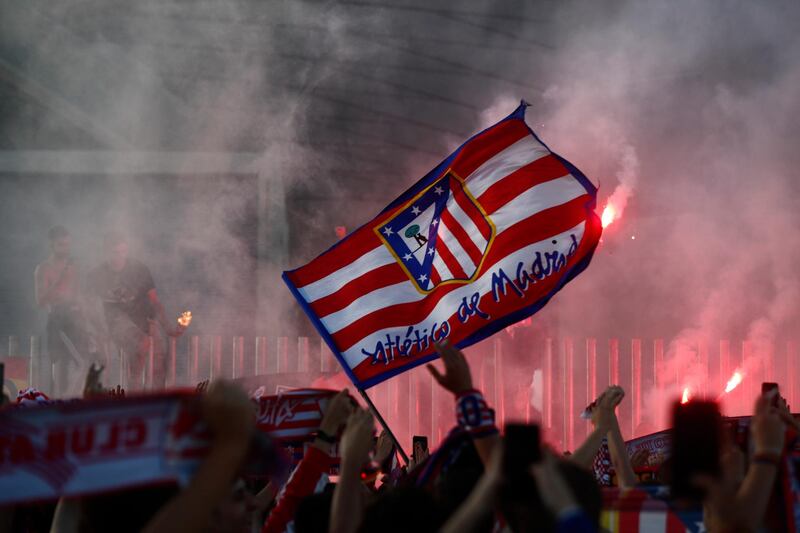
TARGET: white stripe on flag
(336,280)
(516,156)
(653,521)
(446,236)
(467,223)
(398,293)
(447,306)
(295,432)
(404,292)
(303,416)
(441,268)
(536,199)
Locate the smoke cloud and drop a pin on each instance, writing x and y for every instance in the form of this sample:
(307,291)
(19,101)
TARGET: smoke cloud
(229,139)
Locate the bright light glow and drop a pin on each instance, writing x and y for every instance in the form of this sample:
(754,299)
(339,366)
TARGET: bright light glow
(686,395)
(734,381)
(185,319)
(608,216)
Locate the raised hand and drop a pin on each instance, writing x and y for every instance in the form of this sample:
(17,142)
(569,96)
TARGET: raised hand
(768,428)
(457,377)
(604,418)
(356,441)
(603,414)
(383,448)
(339,408)
(92,386)
(418,457)
(201,387)
(348,503)
(229,414)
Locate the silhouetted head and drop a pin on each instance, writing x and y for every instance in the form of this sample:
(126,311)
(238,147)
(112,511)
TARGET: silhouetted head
(60,241)
(400,511)
(115,247)
(523,508)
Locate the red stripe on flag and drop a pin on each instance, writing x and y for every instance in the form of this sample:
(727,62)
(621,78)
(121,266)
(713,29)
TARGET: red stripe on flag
(449,259)
(503,191)
(435,277)
(267,403)
(674,523)
(472,211)
(472,155)
(312,425)
(533,229)
(488,144)
(628,520)
(358,244)
(374,279)
(461,236)
(366,370)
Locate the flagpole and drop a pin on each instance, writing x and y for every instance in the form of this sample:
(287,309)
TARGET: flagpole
(384,424)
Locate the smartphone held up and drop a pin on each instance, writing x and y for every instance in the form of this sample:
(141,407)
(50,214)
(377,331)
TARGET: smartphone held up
(696,443)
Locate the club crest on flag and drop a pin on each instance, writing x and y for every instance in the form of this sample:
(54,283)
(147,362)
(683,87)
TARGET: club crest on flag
(440,236)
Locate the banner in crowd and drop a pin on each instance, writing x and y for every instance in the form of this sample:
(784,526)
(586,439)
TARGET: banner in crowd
(484,240)
(85,447)
(648,508)
(658,446)
(292,417)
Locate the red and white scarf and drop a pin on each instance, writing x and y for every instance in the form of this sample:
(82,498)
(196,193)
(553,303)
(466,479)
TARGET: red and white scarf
(74,448)
(85,447)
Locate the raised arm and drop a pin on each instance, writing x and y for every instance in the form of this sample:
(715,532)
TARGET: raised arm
(743,507)
(606,425)
(601,420)
(314,464)
(170,328)
(229,414)
(768,433)
(626,477)
(347,507)
(472,411)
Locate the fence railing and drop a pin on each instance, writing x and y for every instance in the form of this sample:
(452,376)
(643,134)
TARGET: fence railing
(189,360)
(573,372)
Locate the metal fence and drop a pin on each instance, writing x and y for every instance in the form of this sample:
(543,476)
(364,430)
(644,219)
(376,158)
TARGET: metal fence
(573,373)
(191,359)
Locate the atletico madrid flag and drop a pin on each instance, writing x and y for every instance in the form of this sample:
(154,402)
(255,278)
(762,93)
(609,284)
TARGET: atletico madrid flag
(483,240)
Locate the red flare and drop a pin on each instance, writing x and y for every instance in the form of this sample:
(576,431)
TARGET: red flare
(609,215)
(734,381)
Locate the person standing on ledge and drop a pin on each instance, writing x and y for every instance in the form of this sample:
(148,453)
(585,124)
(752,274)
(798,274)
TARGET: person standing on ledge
(133,312)
(57,287)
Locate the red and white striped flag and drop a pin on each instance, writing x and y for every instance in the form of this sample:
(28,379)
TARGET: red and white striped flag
(483,240)
(293,415)
(292,418)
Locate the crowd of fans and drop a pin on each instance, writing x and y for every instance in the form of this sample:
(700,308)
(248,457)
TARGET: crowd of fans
(477,480)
